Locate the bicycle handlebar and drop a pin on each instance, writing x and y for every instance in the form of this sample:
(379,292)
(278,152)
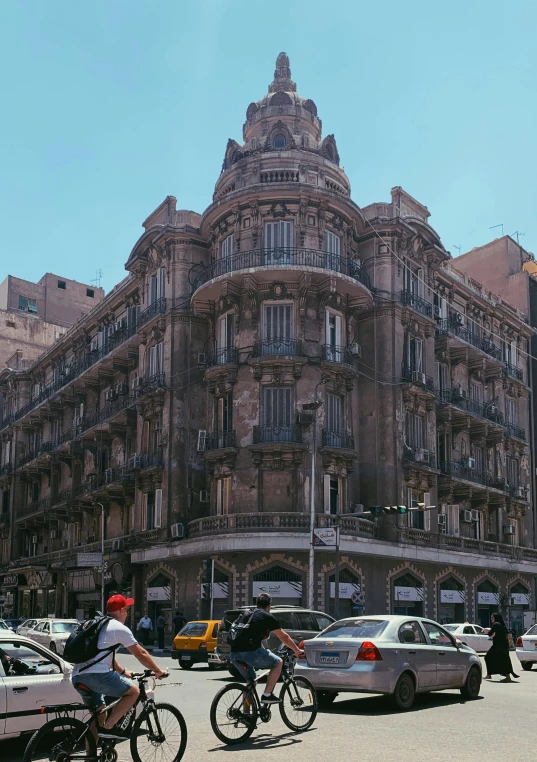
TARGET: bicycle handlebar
(146,673)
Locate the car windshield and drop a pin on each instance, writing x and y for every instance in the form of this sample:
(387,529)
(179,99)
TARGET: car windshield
(356,628)
(194,630)
(64,626)
(3,626)
(450,627)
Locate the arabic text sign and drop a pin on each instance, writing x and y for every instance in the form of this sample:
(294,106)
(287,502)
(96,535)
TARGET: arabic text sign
(452,596)
(325,537)
(407,593)
(278,589)
(346,589)
(490,599)
(159,593)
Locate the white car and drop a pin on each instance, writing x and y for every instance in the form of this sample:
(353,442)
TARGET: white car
(53,633)
(33,677)
(471,634)
(526,648)
(26,626)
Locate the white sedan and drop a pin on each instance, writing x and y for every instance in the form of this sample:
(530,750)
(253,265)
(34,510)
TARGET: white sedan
(26,626)
(30,678)
(471,634)
(53,633)
(526,648)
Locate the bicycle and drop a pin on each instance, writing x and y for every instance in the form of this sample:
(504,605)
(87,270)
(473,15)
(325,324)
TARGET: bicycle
(236,709)
(158,727)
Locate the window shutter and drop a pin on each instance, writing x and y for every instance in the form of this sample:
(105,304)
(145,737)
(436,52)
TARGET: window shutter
(339,341)
(161,282)
(455,520)
(443,308)
(418,343)
(514,358)
(158,508)
(144,511)
(326,483)
(160,357)
(427,514)
(271,235)
(145,443)
(420,282)
(327,327)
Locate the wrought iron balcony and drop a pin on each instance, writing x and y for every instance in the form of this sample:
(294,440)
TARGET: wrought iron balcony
(6,421)
(513,371)
(463,469)
(63,496)
(331,353)
(283,257)
(335,438)
(37,506)
(150,383)
(266,434)
(35,452)
(101,481)
(225,356)
(419,455)
(290,347)
(515,431)
(220,440)
(450,326)
(157,308)
(417,377)
(146,460)
(518,491)
(417,303)
(455,396)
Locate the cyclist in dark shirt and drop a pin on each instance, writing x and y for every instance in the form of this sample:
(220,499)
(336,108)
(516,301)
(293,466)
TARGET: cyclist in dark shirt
(254,655)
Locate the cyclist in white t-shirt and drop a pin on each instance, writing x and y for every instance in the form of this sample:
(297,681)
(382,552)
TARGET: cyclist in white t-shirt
(96,679)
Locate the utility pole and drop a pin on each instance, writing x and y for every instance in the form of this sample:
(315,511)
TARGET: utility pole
(102,554)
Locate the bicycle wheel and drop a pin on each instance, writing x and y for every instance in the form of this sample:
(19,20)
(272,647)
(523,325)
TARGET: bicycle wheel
(299,705)
(159,733)
(59,740)
(232,721)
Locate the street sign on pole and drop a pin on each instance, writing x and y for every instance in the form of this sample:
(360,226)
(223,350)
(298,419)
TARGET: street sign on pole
(89,559)
(358,598)
(325,537)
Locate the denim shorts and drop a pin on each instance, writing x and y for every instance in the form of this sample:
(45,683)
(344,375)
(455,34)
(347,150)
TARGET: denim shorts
(100,684)
(262,658)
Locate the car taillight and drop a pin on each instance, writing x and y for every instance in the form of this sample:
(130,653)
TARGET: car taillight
(368,652)
(519,643)
(301,644)
(202,647)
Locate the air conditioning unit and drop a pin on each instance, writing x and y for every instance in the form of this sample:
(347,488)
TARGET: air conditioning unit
(177,531)
(305,417)
(118,545)
(442,523)
(508,529)
(202,358)
(138,382)
(110,395)
(356,507)
(109,475)
(520,492)
(202,440)
(418,377)
(469,462)
(467,517)
(422,456)
(475,515)
(34,539)
(204,496)
(53,534)
(457,318)
(356,350)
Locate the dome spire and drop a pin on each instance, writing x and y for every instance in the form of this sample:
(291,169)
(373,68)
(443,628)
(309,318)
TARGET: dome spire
(282,76)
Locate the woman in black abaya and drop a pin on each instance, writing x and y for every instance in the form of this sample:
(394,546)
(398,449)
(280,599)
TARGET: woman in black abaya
(497,658)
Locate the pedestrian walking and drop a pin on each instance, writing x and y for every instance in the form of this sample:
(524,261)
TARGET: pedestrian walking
(497,658)
(179,622)
(145,625)
(161,624)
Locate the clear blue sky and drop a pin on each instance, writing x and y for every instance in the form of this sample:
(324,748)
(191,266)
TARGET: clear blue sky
(109,106)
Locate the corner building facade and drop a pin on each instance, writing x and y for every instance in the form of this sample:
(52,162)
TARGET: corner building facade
(283,321)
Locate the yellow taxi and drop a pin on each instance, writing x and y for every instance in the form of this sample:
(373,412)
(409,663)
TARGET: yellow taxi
(194,642)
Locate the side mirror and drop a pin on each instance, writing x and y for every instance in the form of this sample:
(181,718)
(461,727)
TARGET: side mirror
(459,643)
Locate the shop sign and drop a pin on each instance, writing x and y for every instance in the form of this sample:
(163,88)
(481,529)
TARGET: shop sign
(278,589)
(39,579)
(489,599)
(346,589)
(220,590)
(325,537)
(520,599)
(80,581)
(408,593)
(452,596)
(159,593)
(10,580)
(89,559)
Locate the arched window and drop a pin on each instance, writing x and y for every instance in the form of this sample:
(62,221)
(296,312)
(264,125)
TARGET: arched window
(349,583)
(408,595)
(220,595)
(279,141)
(488,601)
(284,585)
(451,600)
(519,601)
(253,144)
(306,141)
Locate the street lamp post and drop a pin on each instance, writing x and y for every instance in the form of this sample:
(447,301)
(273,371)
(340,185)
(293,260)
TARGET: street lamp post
(315,405)
(102,554)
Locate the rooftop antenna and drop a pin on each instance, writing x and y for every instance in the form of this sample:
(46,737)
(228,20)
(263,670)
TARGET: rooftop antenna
(97,279)
(458,248)
(497,226)
(517,233)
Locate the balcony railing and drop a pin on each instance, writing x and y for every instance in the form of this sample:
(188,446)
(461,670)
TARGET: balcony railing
(220,441)
(280,347)
(6,469)
(63,496)
(417,303)
(266,434)
(150,383)
(7,420)
(157,308)
(462,470)
(37,506)
(225,356)
(100,481)
(284,257)
(146,460)
(411,376)
(425,457)
(332,353)
(518,491)
(450,326)
(334,438)
(474,407)
(513,371)
(515,431)
(35,452)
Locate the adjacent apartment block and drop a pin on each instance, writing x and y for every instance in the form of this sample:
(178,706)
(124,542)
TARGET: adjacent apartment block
(284,322)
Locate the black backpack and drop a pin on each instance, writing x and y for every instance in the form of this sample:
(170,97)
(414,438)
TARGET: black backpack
(238,636)
(82,644)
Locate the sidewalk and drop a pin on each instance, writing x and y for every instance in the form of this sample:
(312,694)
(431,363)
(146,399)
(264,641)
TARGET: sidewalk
(152,649)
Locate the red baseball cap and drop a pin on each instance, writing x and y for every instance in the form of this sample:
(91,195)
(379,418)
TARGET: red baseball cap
(117,602)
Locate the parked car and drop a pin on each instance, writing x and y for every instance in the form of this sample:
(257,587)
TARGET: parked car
(193,644)
(3,625)
(34,677)
(12,624)
(526,648)
(396,655)
(471,635)
(300,623)
(53,633)
(26,626)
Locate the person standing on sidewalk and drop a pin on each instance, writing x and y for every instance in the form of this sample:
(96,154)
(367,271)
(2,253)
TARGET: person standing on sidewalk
(179,622)
(161,624)
(145,625)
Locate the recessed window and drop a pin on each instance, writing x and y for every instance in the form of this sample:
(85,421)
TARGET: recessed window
(90,292)
(62,284)
(279,141)
(27,305)
(253,144)
(306,141)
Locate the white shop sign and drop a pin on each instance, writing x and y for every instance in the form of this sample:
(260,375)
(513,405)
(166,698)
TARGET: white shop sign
(452,596)
(488,599)
(278,589)
(346,589)
(520,599)
(159,593)
(220,590)
(89,559)
(325,537)
(407,593)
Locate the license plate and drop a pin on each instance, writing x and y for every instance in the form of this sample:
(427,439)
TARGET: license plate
(329,658)
(185,658)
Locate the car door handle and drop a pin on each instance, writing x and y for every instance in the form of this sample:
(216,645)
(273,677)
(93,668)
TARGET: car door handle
(20,690)
(411,652)
(441,653)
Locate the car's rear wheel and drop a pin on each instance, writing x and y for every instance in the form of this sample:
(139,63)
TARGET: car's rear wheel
(403,695)
(185,664)
(326,698)
(526,665)
(212,665)
(470,689)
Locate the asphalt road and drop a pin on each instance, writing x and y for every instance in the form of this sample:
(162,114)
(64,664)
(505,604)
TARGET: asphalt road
(440,727)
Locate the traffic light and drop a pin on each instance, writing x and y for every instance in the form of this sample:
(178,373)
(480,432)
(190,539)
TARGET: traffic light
(376,511)
(402,509)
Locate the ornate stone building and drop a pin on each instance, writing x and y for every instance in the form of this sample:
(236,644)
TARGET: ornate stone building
(283,323)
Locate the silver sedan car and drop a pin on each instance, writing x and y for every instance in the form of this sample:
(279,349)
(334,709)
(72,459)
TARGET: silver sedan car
(396,655)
